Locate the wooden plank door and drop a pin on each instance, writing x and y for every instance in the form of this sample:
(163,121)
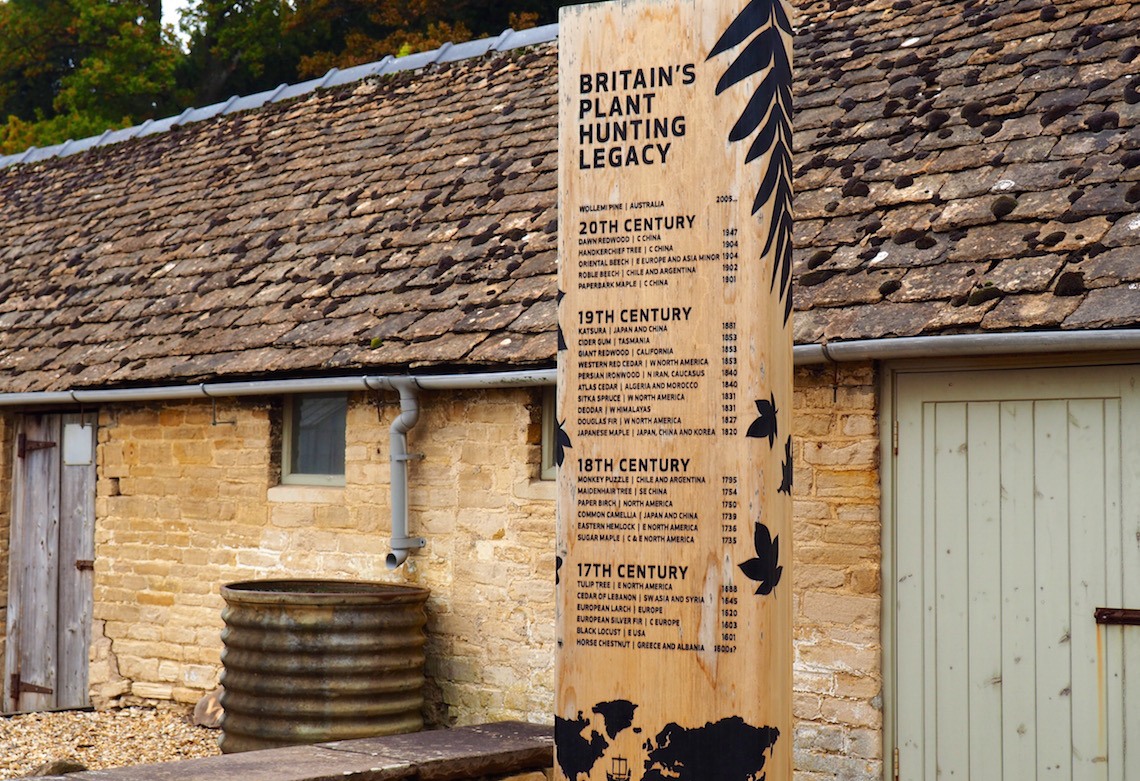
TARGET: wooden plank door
(1017,514)
(51,563)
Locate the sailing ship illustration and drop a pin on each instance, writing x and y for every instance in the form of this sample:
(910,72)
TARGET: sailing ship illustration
(619,770)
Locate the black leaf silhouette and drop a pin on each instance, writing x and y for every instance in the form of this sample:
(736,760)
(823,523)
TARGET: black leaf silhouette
(765,425)
(765,568)
(561,442)
(769,110)
(561,336)
(786,483)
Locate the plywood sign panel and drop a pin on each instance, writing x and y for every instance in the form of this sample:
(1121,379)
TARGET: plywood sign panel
(674,402)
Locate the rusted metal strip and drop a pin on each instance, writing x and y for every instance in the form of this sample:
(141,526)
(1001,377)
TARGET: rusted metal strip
(1122,616)
(23,687)
(23,445)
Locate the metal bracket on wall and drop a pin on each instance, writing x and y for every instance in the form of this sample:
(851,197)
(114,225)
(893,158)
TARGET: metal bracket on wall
(214,414)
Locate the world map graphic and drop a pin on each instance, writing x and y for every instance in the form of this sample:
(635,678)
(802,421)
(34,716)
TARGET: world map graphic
(726,750)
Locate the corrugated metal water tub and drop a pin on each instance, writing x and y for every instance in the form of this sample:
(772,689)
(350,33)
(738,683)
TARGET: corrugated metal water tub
(309,661)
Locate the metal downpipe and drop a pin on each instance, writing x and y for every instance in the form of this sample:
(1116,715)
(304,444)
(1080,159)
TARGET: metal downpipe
(398,455)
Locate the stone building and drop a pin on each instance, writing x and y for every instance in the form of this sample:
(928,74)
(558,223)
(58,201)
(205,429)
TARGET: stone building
(197,311)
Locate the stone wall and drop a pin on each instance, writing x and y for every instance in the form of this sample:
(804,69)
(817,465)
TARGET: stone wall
(188,500)
(837,699)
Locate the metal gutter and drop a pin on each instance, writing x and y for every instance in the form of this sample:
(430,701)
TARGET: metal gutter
(960,345)
(966,345)
(280,387)
(951,345)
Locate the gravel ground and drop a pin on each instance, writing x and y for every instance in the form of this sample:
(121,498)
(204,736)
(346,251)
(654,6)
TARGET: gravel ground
(100,739)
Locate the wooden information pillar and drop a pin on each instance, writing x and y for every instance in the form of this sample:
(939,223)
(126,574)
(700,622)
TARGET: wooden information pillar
(675,392)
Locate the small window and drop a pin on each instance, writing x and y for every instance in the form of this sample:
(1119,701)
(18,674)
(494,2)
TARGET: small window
(313,441)
(549,431)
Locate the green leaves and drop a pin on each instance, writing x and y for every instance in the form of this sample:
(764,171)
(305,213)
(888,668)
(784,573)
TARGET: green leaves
(72,68)
(128,65)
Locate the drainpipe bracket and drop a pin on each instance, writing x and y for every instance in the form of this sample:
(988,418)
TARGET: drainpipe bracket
(408,457)
(407,543)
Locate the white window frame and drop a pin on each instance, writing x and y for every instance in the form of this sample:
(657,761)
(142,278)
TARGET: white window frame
(288,476)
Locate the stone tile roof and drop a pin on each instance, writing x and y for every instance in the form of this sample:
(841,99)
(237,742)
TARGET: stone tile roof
(966,167)
(400,222)
(962,167)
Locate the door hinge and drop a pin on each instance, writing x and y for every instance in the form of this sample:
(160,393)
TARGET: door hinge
(23,445)
(896,763)
(85,564)
(1120,616)
(895,436)
(23,687)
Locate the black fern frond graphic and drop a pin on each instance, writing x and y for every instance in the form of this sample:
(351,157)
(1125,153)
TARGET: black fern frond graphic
(561,443)
(787,469)
(561,336)
(768,115)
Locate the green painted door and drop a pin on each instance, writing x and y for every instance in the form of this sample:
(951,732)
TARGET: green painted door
(1017,515)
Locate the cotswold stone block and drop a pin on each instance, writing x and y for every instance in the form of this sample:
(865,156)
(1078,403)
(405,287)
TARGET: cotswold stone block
(842,455)
(820,737)
(840,608)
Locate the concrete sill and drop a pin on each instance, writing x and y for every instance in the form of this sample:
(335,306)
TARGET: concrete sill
(306,494)
(500,749)
(540,490)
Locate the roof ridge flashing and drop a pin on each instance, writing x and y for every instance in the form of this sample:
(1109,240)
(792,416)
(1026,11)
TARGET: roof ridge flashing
(447,53)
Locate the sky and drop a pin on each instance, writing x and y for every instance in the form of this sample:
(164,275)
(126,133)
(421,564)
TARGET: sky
(170,9)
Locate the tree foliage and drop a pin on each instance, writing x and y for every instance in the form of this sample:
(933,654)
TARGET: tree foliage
(125,67)
(72,68)
(342,33)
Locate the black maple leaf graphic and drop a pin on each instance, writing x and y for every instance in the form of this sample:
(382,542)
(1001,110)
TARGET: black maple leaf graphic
(786,482)
(769,111)
(765,569)
(765,424)
(561,442)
